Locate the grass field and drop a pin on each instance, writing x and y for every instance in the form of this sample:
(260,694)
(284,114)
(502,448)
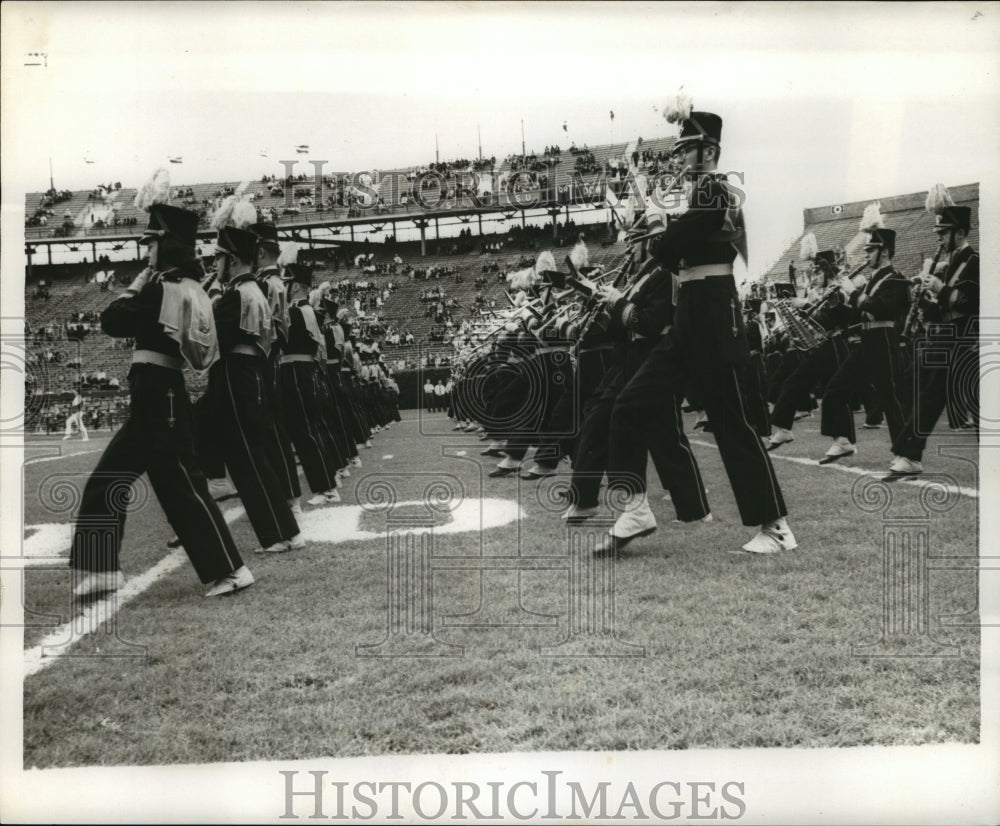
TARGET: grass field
(710,648)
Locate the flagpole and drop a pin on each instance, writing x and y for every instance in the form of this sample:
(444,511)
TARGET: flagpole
(437,156)
(524,154)
(51,180)
(479,132)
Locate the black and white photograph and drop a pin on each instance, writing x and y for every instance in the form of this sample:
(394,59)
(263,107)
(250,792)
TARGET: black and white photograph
(503,412)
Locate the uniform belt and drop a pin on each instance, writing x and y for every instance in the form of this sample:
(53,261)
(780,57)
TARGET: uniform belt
(755,352)
(864,326)
(854,339)
(157,358)
(293,357)
(245,350)
(345,370)
(704,271)
(333,361)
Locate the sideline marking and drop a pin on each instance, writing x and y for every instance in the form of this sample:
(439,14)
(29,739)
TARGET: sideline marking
(323,525)
(97,613)
(972,493)
(62,456)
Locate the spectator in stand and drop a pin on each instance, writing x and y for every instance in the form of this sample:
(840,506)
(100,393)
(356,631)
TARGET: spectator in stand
(429,397)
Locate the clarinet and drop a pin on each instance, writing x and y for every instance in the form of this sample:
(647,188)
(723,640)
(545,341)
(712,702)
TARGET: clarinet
(909,326)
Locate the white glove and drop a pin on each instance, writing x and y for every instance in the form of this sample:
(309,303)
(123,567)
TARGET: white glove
(140,281)
(932,283)
(609,294)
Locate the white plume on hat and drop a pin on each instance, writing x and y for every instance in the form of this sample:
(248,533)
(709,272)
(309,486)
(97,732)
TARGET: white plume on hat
(524,279)
(580,255)
(235,209)
(809,247)
(937,199)
(872,218)
(678,109)
(546,261)
(244,214)
(289,253)
(316,296)
(155,191)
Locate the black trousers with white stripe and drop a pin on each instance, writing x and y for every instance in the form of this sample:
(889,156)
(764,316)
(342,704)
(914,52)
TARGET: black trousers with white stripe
(946,377)
(874,360)
(672,458)
(157,439)
(303,418)
(277,443)
(818,365)
(754,383)
(339,413)
(238,391)
(705,349)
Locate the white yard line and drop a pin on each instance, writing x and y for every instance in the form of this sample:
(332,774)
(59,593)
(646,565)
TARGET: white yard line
(858,471)
(63,456)
(102,611)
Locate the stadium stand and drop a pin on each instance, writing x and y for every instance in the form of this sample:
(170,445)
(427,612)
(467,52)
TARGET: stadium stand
(836,227)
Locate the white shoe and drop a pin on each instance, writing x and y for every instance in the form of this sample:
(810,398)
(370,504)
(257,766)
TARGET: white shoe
(296,505)
(841,447)
(99,583)
(779,437)
(772,538)
(637,520)
(902,465)
(296,542)
(236,581)
(67,437)
(318,499)
(356,461)
(276,548)
(220,488)
(86,438)
(574,513)
(344,472)
(332,495)
(368,443)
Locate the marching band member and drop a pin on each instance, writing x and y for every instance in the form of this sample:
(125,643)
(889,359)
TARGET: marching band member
(705,347)
(298,388)
(170,317)
(955,313)
(755,377)
(237,386)
(820,364)
(640,316)
(342,415)
(882,301)
(277,445)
